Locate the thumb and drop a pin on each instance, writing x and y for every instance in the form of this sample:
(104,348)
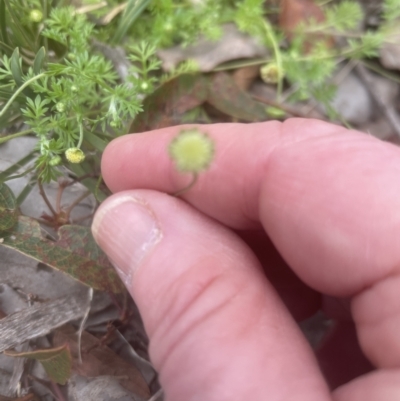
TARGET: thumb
(217,329)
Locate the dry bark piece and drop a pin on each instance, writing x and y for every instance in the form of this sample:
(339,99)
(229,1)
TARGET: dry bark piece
(245,76)
(39,320)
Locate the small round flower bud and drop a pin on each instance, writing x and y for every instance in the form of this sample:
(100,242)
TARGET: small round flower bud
(74,88)
(192,150)
(71,56)
(35,15)
(144,86)
(60,106)
(270,73)
(74,155)
(55,161)
(275,112)
(114,124)
(168,26)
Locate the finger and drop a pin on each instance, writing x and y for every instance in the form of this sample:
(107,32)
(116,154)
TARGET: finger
(229,190)
(327,197)
(340,357)
(301,301)
(217,329)
(383,385)
(313,186)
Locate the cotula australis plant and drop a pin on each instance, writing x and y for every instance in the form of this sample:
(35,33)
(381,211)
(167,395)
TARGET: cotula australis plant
(69,95)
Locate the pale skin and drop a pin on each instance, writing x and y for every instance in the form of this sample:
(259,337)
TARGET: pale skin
(329,200)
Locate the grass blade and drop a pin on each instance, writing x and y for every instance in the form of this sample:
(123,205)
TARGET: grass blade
(16,166)
(16,67)
(39,60)
(131,13)
(27,190)
(3,23)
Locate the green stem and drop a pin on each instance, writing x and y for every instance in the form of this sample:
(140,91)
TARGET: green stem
(80,135)
(12,136)
(190,185)
(278,59)
(19,90)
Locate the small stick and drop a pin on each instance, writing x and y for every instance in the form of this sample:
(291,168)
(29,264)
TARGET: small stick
(76,202)
(46,199)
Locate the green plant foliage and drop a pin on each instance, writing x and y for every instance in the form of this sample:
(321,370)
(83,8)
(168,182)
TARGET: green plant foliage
(57,85)
(391,10)
(344,16)
(70,96)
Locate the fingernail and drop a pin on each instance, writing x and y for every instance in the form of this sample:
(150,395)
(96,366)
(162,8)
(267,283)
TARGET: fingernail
(127,230)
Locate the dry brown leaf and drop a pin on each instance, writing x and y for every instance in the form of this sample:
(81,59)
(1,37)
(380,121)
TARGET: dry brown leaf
(245,76)
(208,54)
(100,361)
(296,12)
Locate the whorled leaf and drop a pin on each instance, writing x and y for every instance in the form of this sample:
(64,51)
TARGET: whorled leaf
(74,253)
(57,362)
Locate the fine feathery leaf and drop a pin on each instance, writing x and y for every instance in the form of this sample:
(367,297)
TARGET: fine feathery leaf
(345,15)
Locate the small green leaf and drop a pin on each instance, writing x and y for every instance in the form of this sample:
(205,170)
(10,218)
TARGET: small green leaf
(57,362)
(95,141)
(16,67)
(39,60)
(8,208)
(74,253)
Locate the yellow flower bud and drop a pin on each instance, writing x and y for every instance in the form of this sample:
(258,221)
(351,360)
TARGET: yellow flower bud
(55,161)
(74,155)
(60,106)
(270,73)
(35,15)
(192,150)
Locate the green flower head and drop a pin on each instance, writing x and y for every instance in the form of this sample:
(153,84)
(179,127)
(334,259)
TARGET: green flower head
(270,73)
(191,150)
(74,155)
(35,15)
(55,161)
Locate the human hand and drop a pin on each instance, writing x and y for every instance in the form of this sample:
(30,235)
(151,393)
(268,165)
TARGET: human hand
(329,200)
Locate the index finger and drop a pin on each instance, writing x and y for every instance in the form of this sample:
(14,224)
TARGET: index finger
(327,196)
(229,189)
